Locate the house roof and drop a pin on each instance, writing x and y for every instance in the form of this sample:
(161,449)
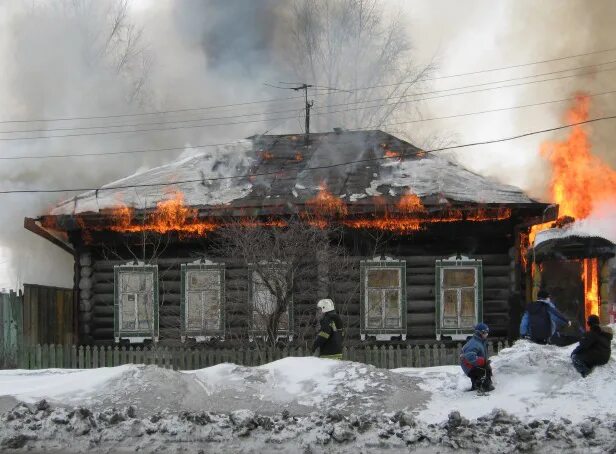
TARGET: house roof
(280,170)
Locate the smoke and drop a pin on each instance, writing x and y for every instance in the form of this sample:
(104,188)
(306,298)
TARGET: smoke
(65,59)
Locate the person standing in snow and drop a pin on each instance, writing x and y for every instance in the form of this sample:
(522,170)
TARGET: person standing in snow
(474,359)
(541,321)
(594,349)
(328,343)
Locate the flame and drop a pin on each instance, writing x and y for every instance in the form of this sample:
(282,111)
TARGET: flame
(580,180)
(392,154)
(169,216)
(299,157)
(326,204)
(411,203)
(265,155)
(590,277)
(403,223)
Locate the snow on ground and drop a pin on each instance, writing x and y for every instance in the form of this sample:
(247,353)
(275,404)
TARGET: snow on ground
(312,405)
(532,381)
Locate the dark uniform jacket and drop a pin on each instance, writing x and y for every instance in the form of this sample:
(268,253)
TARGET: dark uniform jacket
(329,338)
(595,347)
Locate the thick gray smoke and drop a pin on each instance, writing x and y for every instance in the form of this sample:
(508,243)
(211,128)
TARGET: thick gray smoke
(76,58)
(73,58)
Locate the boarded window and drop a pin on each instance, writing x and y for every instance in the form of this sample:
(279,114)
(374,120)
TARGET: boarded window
(136,300)
(268,289)
(383,298)
(203,299)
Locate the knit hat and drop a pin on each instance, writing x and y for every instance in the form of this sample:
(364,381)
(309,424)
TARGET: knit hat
(593,320)
(482,328)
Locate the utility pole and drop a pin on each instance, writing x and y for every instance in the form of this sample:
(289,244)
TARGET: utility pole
(305,87)
(308,105)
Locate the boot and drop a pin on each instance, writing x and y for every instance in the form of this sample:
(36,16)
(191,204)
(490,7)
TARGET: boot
(487,386)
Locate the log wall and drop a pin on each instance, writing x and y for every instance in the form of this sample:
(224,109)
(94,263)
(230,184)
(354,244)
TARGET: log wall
(96,298)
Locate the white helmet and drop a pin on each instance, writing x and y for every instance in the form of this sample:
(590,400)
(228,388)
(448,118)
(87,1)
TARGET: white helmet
(326,305)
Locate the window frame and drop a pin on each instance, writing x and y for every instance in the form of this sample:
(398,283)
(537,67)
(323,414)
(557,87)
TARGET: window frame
(136,335)
(258,332)
(382,333)
(201,334)
(457,262)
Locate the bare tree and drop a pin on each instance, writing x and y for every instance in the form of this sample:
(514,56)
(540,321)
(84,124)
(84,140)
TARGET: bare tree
(297,260)
(352,46)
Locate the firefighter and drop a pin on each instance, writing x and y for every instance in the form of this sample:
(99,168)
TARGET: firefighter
(328,343)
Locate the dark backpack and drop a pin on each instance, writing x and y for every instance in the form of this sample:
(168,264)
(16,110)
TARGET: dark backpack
(539,321)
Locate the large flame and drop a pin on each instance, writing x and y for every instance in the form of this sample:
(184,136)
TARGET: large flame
(580,180)
(580,183)
(169,216)
(590,277)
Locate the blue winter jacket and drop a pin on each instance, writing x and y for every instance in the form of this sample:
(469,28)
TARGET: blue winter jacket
(474,353)
(557,319)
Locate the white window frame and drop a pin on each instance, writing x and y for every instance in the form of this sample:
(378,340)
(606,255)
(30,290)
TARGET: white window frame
(136,335)
(202,333)
(457,263)
(383,333)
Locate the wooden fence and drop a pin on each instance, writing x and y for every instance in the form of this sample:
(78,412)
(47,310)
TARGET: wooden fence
(87,357)
(49,315)
(10,328)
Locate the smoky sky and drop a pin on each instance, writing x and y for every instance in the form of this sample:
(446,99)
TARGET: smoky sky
(58,62)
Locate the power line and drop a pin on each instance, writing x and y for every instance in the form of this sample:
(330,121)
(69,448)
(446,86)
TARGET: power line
(451,147)
(275,100)
(155,150)
(5,139)
(130,125)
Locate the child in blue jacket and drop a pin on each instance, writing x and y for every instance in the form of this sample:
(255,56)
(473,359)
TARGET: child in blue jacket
(474,359)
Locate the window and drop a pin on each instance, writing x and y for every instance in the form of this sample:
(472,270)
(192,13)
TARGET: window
(202,303)
(265,282)
(459,296)
(136,302)
(383,296)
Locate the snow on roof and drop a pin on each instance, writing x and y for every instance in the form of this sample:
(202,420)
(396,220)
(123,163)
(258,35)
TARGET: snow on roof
(437,175)
(352,164)
(222,162)
(602,224)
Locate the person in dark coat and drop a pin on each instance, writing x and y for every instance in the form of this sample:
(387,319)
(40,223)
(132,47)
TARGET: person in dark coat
(541,321)
(328,343)
(594,349)
(474,359)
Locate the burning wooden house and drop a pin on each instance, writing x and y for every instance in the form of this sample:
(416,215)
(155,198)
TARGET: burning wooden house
(432,247)
(573,257)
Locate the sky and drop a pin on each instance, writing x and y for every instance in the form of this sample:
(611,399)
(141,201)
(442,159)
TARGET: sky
(59,61)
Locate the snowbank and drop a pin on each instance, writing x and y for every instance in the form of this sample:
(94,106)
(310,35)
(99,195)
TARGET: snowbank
(532,381)
(540,402)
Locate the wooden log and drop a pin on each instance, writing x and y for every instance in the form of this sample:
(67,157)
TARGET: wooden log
(170,298)
(420,319)
(418,306)
(495,306)
(496,270)
(496,282)
(421,331)
(103,287)
(419,292)
(419,270)
(496,294)
(102,333)
(103,310)
(102,322)
(169,287)
(420,279)
(103,298)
